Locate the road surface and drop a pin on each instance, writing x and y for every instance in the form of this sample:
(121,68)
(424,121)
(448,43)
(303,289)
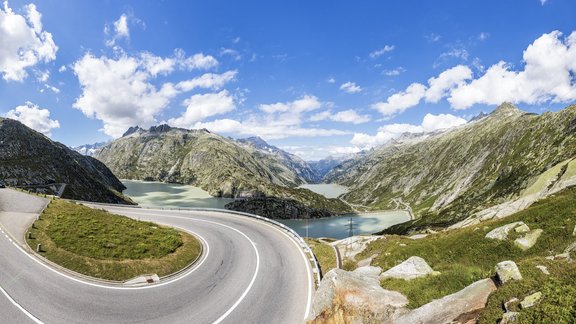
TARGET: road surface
(250,272)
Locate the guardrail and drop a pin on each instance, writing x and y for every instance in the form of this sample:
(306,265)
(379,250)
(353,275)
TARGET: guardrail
(296,236)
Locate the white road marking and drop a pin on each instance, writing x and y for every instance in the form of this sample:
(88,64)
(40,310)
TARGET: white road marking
(27,313)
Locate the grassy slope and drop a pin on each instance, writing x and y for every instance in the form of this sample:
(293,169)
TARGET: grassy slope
(464,256)
(324,254)
(103,245)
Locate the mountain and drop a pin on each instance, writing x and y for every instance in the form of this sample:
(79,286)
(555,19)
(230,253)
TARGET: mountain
(88,149)
(324,166)
(497,161)
(219,165)
(293,162)
(31,160)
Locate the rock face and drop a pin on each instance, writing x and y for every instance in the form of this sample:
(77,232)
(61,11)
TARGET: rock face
(528,240)
(355,297)
(449,176)
(531,300)
(219,165)
(354,245)
(30,159)
(276,208)
(413,267)
(461,307)
(507,270)
(501,233)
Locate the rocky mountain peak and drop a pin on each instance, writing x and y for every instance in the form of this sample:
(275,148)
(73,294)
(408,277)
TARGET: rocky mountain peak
(506,109)
(160,128)
(131,130)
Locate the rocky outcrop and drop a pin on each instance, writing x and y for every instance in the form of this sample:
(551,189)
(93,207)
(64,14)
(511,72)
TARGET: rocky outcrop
(531,300)
(354,245)
(277,208)
(501,233)
(506,271)
(31,160)
(414,267)
(461,307)
(527,241)
(355,297)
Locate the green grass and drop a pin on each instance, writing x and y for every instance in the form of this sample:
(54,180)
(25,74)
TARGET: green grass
(324,254)
(103,245)
(465,256)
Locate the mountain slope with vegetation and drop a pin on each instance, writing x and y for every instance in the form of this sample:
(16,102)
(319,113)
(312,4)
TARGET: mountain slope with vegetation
(31,160)
(219,165)
(448,177)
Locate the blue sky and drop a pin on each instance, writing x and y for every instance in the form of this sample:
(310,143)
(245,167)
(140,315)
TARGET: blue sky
(316,78)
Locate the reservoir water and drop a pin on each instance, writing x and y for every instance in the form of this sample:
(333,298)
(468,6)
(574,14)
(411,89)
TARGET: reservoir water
(158,194)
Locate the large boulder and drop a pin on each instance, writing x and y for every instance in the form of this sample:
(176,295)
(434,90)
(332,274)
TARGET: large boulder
(531,300)
(528,240)
(461,307)
(413,267)
(507,270)
(355,297)
(501,233)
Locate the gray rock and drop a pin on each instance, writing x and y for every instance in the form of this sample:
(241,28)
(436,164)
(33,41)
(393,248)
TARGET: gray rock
(510,302)
(528,240)
(531,300)
(507,270)
(413,267)
(368,271)
(564,256)
(418,236)
(501,233)
(570,248)
(522,229)
(459,307)
(543,269)
(357,294)
(366,262)
(509,317)
(574,231)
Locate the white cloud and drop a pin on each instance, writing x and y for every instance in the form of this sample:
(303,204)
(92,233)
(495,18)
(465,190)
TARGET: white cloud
(457,52)
(120,92)
(483,36)
(350,87)
(23,42)
(543,2)
(318,152)
(121,30)
(207,81)
(52,88)
(34,117)
(42,76)
(432,37)
(392,131)
(548,75)
(379,52)
(399,102)
(331,80)
(304,104)
(446,81)
(62,69)
(230,52)
(201,106)
(345,116)
(394,72)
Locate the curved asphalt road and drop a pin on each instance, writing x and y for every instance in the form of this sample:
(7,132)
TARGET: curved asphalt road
(251,272)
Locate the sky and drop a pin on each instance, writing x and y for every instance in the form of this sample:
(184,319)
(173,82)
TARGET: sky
(316,78)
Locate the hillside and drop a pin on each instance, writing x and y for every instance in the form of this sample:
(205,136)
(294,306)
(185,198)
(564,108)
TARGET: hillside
(448,177)
(219,165)
(30,159)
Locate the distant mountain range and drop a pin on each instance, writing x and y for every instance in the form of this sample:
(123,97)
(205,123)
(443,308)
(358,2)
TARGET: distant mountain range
(30,160)
(248,168)
(88,149)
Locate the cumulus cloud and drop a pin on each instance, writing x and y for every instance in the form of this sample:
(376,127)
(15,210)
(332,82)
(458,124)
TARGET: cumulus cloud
(277,120)
(201,106)
(23,43)
(457,52)
(548,75)
(345,116)
(350,87)
(386,133)
(121,30)
(120,91)
(399,102)
(439,86)
(207,81)
(34,117)
(379,52)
